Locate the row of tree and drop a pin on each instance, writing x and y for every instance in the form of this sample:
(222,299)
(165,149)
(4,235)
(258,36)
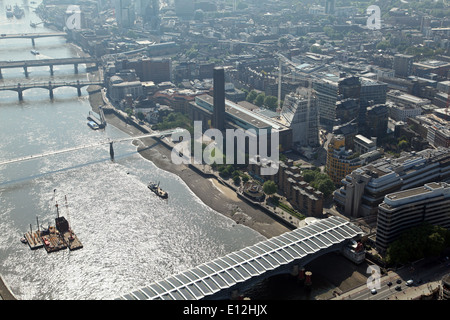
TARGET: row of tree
(425,240)
(260,100)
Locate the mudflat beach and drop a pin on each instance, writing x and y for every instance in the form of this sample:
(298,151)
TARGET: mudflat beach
(215,195)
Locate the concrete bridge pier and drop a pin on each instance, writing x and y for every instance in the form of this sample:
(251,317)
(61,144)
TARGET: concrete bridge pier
(1,76)
(50,89)
(111,151)
(20,92)
(51,69)
(25,69)
(78,88)
(75,66)
(294,270)
(32,42)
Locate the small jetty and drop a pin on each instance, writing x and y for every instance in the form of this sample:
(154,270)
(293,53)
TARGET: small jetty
(96,123)
(54,238)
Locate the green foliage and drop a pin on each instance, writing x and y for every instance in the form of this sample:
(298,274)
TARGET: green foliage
(174,120)
(259,100)
(251,96)
(271,102)
(418,242)
(140,115)
(319,181)
(269,187)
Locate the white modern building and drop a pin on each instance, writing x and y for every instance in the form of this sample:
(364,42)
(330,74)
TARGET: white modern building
(409,208)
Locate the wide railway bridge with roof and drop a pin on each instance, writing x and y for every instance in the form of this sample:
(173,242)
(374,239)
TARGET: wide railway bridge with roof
(240,270)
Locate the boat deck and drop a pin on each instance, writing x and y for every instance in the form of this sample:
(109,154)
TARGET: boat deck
(34,240)
(74,243)
(55,241)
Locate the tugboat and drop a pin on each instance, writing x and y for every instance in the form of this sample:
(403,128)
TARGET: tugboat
(157,190)
(9,12)
(35,52)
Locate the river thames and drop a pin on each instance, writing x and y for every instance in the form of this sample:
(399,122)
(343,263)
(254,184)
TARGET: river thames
(130,237)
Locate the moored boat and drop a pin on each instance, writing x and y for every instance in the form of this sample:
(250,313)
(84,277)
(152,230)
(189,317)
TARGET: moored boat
(157,190)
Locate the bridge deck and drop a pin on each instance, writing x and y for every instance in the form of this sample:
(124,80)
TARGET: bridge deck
(50,153)
(223,273)
(45,62)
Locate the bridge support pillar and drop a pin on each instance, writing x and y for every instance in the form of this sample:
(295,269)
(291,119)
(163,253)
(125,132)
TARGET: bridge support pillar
(50,89)
(51,69)
(78,88)
(19,92)
(32,42)
(75,66)
(235,295)
(1,76)
(111,151)
(25,69)
(294,270)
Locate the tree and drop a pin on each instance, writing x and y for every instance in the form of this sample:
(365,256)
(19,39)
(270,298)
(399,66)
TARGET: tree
(269,187)
(251,96)
(259,101)
(140,115)
(271,102)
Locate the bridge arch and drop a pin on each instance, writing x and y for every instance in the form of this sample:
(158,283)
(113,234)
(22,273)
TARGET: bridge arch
(241,269)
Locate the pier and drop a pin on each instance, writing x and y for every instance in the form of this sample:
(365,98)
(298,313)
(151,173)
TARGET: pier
(25,64)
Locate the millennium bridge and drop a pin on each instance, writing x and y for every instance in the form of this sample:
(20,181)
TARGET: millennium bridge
(236,272)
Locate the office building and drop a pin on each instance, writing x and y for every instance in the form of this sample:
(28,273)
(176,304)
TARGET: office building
(125,13)
(377,118)
(329,6)
(403,65)
(340,162)
(405,209)
(363,144)
(364,189)
(327,95)
(184,8)
(300,113)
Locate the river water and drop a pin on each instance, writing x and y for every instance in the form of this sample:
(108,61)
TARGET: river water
(130,237)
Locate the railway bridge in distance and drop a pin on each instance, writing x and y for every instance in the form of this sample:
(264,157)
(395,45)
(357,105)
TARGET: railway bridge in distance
(32,36)
(225,277)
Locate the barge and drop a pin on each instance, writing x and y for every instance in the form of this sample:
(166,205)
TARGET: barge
(54,238)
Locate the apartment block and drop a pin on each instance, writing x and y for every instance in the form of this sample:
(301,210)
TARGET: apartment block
(289,180)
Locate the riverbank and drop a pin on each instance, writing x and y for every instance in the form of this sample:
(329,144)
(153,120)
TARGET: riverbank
(5,293)
(215,195)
